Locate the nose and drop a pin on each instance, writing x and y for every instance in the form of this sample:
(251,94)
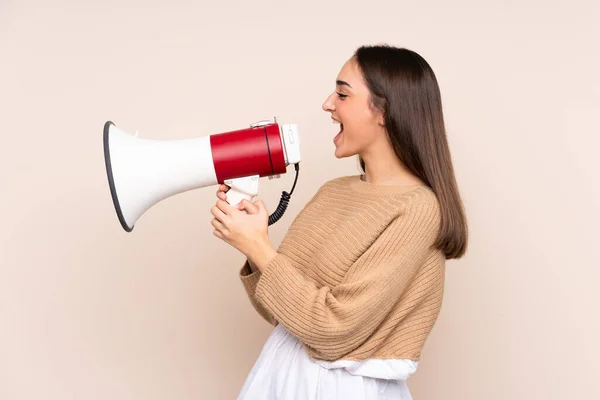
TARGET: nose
(329,105)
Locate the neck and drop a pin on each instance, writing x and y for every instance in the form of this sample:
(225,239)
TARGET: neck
(382,166)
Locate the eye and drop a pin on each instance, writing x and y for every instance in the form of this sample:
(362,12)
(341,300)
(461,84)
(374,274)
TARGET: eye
(341,96)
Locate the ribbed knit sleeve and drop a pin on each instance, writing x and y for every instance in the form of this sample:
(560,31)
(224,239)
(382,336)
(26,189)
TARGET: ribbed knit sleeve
(333,321)
(249,281)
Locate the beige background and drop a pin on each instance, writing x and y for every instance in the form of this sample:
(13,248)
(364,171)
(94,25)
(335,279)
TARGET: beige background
(88,311)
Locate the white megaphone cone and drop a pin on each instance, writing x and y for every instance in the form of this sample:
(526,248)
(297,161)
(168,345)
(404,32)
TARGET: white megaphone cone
(142,172)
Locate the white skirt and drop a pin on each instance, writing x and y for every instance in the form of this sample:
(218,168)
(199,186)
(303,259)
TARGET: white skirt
(285,371)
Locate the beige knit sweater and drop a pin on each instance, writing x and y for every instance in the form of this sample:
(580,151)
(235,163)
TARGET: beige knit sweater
(356,276)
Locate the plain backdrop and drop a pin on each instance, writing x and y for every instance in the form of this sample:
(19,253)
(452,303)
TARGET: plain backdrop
(88,311)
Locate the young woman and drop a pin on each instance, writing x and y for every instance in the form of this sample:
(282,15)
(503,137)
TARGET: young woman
(356,285)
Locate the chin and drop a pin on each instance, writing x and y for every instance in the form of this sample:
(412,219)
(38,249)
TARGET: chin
(340,153)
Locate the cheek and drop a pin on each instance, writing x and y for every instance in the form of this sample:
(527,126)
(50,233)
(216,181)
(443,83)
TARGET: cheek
(359,124)
(358,136)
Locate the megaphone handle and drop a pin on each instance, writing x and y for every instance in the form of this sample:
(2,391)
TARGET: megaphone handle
(234,197)
(242,188)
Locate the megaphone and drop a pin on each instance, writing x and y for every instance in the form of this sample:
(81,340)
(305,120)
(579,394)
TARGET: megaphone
(142,172)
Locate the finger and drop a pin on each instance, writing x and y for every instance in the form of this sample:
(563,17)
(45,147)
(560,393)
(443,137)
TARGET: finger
(222,189)
(248,206)
(218,214)
(218,234)
(225,207)
(220,230)
(218,225)
(260,205)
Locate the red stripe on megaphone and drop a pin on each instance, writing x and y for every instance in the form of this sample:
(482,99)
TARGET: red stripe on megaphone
(245,152)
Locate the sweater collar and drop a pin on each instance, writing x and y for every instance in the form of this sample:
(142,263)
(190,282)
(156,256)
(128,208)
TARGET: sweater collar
(357,183)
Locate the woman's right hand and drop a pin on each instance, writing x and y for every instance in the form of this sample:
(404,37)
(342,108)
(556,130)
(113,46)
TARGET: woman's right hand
(221,194)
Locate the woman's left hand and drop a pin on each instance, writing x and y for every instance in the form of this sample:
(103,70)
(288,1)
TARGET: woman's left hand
(244,226)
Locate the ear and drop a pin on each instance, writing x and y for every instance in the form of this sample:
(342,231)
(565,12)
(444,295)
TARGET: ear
(380,118)
(377,111)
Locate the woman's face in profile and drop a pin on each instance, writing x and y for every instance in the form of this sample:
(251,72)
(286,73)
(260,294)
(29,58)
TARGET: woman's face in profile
(350,106)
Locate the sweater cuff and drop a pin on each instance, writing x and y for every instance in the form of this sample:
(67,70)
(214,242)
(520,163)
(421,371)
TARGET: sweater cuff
(249,279)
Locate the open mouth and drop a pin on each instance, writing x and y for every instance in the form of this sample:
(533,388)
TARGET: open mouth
(337,137)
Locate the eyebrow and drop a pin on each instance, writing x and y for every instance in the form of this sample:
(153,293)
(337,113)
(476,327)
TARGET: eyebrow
(342,83)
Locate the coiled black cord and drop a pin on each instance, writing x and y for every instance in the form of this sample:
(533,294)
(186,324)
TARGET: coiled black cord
(284,201)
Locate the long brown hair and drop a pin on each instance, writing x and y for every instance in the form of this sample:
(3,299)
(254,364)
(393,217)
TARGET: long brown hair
(404,87)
